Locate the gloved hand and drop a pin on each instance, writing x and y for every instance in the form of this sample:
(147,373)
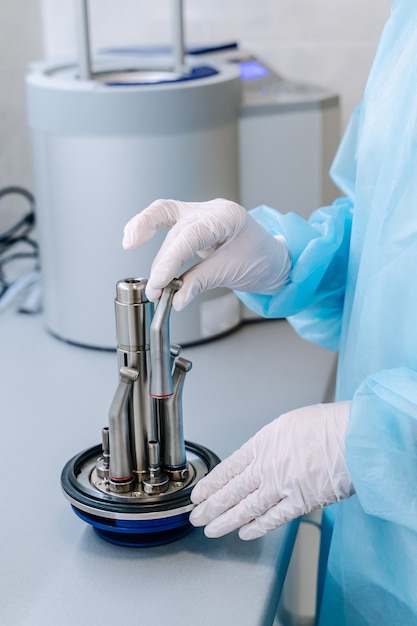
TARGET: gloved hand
(238,253)
(292,466)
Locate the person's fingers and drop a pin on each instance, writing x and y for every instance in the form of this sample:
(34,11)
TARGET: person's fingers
(229,501)
(201,277)
(220,475)
(145,224)
(256,503)
(195,228)
(274,517)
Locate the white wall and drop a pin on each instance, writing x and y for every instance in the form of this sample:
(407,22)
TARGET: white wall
(20,41)
(327,42)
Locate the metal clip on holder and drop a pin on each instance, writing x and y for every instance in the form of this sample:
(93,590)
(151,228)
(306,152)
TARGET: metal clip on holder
(134,488)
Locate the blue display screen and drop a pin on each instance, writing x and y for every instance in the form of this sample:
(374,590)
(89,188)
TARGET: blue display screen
(252,69)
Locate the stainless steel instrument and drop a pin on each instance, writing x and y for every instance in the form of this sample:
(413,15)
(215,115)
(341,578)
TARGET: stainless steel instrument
(134,488)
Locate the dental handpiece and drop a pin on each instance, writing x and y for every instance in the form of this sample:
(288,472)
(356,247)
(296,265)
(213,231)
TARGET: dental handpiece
(173,451)
(161,384)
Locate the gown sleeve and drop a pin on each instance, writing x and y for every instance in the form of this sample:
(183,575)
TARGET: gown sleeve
(313,297)
(381,448)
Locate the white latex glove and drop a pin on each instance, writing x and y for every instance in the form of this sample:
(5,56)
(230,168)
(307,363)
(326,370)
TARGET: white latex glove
(238,253)
(292,466)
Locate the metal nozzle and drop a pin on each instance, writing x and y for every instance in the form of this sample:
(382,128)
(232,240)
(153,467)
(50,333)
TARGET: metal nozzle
(156,481)
(173,452)
(120,469)
(102,464)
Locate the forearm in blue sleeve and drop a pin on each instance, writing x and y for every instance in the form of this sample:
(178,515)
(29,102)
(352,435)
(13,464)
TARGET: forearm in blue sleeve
(313,297)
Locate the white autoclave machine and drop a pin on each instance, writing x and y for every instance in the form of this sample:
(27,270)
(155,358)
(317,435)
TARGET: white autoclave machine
(113,131)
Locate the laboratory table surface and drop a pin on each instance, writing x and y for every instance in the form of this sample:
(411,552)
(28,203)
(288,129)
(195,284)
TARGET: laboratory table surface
(54,401)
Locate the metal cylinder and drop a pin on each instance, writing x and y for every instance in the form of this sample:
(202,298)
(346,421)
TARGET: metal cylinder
(133,314)
(133,318)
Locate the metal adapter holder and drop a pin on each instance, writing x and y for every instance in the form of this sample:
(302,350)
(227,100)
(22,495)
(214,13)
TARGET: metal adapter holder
(134,488)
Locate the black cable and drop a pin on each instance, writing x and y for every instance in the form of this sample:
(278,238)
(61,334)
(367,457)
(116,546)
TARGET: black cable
(27,221)
(20,191)
(18,255)
(16,236)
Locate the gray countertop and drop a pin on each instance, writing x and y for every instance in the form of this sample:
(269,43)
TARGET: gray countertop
(54,401)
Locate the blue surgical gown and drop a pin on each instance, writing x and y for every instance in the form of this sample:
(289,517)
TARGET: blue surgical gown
(353,288)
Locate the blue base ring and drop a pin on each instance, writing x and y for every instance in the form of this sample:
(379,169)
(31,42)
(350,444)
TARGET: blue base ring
(152,523)
(138,533)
